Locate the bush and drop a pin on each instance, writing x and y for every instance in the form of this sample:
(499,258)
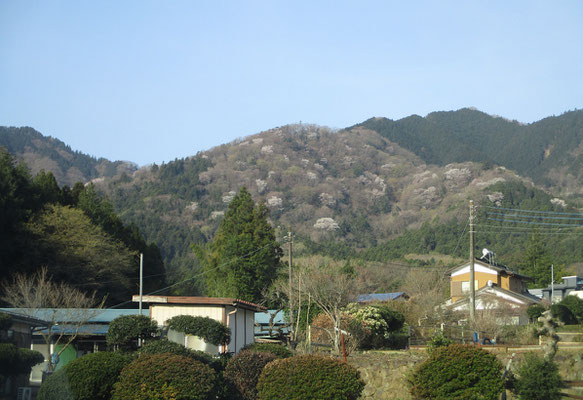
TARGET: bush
(15,361)
(534,311)
(124,331)
(165,376)
(208,329)
(309,377)
(438,340)
(243,370)
(575,305)
(92,376)
(162,346)
(378,323)
(276,349)
(538,379)
(56,387)
(5,321)
(563,314)
(457,372)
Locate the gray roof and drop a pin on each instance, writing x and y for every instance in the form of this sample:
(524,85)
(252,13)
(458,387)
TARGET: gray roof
(380,296)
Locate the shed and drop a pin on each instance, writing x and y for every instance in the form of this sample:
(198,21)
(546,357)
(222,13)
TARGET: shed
(238,315)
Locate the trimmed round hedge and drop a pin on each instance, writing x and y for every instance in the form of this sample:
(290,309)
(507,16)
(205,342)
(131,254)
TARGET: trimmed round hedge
(243,370)
(124,331)
(276,349)
(458,372)
(162,346)
(56,387)
(165,376)
(211,331)
(90,377)
(15,361)
(309,377)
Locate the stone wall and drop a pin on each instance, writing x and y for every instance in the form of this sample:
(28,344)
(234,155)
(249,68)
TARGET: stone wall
(385,372)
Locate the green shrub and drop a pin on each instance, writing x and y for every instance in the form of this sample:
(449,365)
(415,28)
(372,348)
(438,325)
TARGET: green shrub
(575,305)
(124,331)
(377,323)
(563,314)
(243,370)
(56,387)
(162,346)
(208,329)
(5,321)
(160,375)
(15,361)
(92,376)
(534,311)
(309,377)
(538,379)
(276,349)
(457,372)
(438,340)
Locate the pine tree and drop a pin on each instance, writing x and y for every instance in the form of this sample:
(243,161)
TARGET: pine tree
(244,256)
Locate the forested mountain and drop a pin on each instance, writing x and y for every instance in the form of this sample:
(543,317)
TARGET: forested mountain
(548,151)
(74,233)
(50,154)
(381,190)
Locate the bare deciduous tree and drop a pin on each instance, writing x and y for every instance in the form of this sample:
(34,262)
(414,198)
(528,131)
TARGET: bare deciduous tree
(331,289)
(58,304)
(426,289)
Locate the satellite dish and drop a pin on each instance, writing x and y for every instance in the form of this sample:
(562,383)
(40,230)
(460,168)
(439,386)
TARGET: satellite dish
(486,253)
(490,283)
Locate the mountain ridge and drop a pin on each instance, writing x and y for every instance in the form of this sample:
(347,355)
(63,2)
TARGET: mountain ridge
(357,188)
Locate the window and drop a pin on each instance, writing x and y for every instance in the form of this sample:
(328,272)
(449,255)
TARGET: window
(466,286)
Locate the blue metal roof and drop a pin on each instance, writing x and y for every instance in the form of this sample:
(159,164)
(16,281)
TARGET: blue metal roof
(379,296)
(263,317)
(64,315)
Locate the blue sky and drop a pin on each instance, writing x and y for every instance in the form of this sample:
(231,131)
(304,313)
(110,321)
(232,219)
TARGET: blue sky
(150,81)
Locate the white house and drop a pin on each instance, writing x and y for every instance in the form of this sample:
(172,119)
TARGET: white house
(238,315)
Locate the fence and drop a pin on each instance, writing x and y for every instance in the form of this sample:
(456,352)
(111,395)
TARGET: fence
(421,335)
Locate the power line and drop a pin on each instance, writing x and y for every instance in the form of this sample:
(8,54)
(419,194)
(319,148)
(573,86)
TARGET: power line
(461,236)
(534,223)
(535,216)
(199,274)
(535,211)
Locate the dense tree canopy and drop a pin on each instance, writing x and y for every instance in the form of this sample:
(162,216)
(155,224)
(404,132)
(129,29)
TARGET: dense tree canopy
(244,256)
(73,232)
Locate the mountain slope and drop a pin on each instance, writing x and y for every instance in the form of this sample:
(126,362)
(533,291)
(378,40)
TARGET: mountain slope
(548,151)
(50,154)
(351,187)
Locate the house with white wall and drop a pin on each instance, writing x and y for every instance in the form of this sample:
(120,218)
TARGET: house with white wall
(238,315)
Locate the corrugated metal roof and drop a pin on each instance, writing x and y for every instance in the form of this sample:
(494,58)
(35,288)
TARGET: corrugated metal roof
(96,315)
(380,296)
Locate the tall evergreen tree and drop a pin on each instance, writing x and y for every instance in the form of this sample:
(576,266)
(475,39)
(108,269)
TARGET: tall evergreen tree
(244,256)
(537,262)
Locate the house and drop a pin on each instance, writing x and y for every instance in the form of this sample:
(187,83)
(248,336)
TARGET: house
(89,325)
(557,292)
(498,289)
(498,275)
(382,297)
(18,331)
(238,315)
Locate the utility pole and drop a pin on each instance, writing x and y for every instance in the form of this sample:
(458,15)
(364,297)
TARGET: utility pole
(141,279)
(552,283)
(290,244)
(472,272)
